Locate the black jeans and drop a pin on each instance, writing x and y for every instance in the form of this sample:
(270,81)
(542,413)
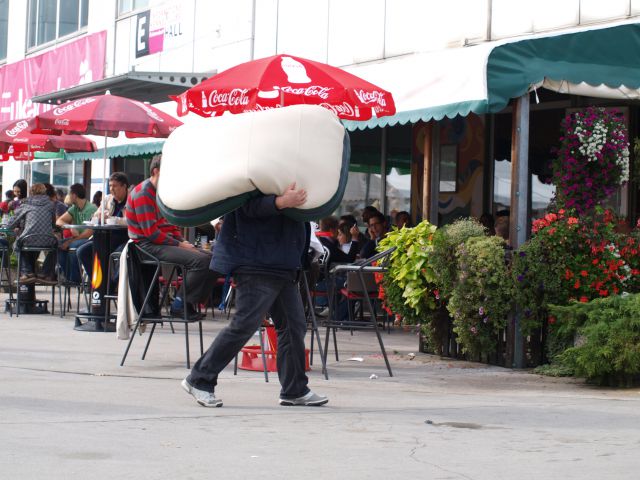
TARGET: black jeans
(256,295)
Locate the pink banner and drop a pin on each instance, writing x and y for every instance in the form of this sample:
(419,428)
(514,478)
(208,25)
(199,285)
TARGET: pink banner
(72,64)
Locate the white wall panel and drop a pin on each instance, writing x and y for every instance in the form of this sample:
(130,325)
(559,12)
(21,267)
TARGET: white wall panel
(512,17)
(552,14)
(355,31)
(222,34)
(597,10)
(302,28)
(266,28)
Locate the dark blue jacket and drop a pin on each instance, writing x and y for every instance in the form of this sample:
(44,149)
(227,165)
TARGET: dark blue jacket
(258,236)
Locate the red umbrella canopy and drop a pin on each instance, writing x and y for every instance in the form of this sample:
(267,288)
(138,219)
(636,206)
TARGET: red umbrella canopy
(284,80)
(17,139)
(108,115)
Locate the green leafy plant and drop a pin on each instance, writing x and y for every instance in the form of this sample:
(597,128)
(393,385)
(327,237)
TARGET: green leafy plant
(408,288)
(482,296)
(409,283)
(443,258)
(608,348)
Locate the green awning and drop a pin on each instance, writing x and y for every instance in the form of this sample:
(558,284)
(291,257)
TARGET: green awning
(126,150)
(601,61)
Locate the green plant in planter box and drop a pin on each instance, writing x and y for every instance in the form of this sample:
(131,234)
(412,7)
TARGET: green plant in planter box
(443,259)
(482,297)
(409,284)
(608,348)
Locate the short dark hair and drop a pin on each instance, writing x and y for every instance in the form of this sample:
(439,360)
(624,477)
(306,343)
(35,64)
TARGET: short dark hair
(78,190)
(379,216)
(328,224)
(51,192)
(9,194)
(156,160)
(119,177)
(406,214)
(349,220)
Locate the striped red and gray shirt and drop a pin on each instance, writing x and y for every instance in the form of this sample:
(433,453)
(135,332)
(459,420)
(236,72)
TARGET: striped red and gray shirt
(144,220)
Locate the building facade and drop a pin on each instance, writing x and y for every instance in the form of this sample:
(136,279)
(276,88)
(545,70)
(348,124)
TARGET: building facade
(50,46)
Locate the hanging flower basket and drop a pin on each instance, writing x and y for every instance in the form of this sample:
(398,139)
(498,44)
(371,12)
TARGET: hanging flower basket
(593,158)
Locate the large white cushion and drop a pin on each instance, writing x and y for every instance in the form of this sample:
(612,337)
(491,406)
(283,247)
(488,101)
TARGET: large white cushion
(213,166)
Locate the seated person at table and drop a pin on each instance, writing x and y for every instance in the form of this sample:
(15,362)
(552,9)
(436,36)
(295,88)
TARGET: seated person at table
(326,227)
(402,219)
(8,198)
(80,211)
(151,231)
(356,234)
(61,208)
(338,238)
(19,194)
(115,206)
(36,216)
(378,229)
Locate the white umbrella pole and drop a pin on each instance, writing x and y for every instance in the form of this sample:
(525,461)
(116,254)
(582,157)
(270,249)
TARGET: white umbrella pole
(104,178)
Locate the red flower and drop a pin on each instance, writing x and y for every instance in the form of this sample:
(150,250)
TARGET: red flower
(584,273)
(551,319)
(572,221)
(603,293)
(577,284)
(584,299)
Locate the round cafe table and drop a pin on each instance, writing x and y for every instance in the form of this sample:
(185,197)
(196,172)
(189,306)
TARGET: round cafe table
(102,248)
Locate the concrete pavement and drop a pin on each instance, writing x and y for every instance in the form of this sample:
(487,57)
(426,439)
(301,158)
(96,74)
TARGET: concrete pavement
(68,410)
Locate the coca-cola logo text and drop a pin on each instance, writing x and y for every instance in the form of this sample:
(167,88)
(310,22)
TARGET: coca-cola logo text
(232,98)
(17,128)
(152,113)
(71,106)
(343,110)
(371,97)
(312,91)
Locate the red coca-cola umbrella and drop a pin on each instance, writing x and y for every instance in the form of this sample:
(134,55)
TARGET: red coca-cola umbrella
(108,115)
(284,80)
(17,139)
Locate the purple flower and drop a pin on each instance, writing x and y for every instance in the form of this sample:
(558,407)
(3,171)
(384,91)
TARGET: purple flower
(481,311)
(520,278)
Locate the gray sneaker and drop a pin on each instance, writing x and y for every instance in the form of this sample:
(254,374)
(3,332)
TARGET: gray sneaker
(309,400)
(204,398)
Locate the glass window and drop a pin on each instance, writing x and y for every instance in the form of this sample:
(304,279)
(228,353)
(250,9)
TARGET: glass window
(78,176)
(4,27)
(62,173)
(126,6)
(46,21)
(51,19)
(69,17)
(40,171)
(84,13)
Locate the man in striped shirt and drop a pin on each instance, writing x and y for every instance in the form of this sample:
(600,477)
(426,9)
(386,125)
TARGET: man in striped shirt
(151,231)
